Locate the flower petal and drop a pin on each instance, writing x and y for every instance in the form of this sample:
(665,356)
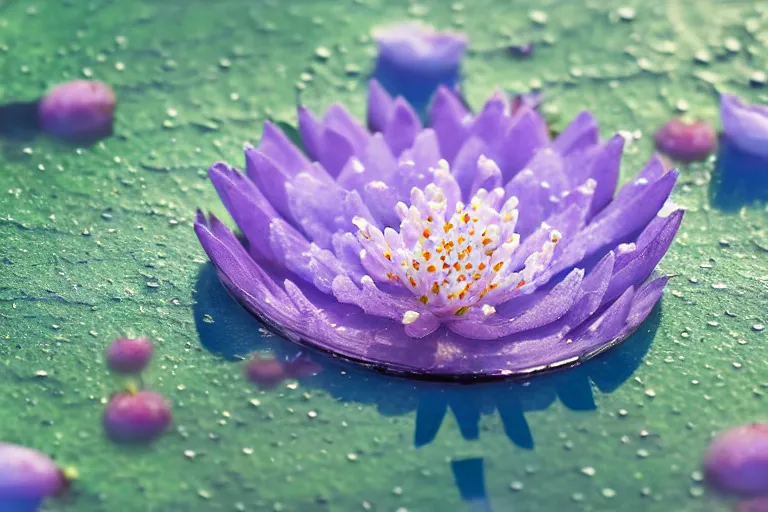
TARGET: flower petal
(313,264)
(639,264)
(490,125)
(380,105)
(378,303)
(615,226)
(538,187)
(402,127)
(448,116)
(311,131)
(279,148)
(582,133)
(465,164)
(524,313)
(247,206)
(526,135)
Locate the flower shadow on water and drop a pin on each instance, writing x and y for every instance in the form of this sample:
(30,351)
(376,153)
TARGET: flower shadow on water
(739,179)
(230,332)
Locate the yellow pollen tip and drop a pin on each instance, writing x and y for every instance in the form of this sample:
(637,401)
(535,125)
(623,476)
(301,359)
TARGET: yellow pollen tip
(424,299)
(461,310)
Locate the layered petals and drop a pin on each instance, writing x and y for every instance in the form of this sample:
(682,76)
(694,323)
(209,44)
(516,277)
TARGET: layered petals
(475,247)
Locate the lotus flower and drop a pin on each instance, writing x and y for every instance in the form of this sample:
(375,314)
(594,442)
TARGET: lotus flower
(415,59)
(474,248)
(746,126)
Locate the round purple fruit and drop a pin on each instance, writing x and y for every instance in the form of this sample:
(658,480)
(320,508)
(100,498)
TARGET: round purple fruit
(27,477)
(79,110)
(129,356)
(139,417)
(737,460)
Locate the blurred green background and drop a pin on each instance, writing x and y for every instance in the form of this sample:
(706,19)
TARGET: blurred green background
(97,243)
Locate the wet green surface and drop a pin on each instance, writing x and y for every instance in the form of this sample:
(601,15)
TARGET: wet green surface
(97,242)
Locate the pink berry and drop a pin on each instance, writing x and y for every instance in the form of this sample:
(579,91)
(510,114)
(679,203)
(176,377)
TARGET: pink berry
(266,373)
(137,418)
(301,367)
(27,475)
(737,460)
(686,141)
(756,505)
(78,110)
(129,355)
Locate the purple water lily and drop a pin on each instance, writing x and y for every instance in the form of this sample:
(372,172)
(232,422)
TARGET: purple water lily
(476,247)
(746,126)
(415,59)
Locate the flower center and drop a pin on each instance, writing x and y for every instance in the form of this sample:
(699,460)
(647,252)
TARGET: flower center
(452,255)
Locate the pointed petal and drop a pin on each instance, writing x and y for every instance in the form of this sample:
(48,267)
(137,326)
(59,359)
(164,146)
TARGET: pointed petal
(640,263)
(247,206)
(605,172)
(465,164)
(526,135)
(375,302)
(487,176)
(402,128)
(380,105)
(491,124)
(313,264)
(337,151)
(338,119)
(448,117)
(279,148)
(525,313)
(311,132)
(582,133)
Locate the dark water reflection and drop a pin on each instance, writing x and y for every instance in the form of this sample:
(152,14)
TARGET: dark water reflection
(227,330)
(740,178)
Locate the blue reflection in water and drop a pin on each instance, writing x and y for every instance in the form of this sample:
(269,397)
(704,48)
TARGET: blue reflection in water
(229,331)
(740,178)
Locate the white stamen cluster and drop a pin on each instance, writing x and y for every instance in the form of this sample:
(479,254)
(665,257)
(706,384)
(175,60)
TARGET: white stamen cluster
(453,256)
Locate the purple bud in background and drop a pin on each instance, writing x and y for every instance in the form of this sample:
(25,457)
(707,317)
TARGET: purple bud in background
(745,126)
(737,460)
(78,111)
(27,477)
(137,418)
(265,372)
(129,356)
(415,59)
(686,141)
(522,51)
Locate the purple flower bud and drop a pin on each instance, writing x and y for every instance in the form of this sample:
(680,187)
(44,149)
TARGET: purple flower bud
(27,477)
(746,126)
(80,110)
(686,141)
(415,59)
(266,373)
(137,418)
(737,460)
(129,355)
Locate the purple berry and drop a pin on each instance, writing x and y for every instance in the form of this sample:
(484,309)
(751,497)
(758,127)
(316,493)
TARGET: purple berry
(266,373)
(756,505)
(78,110)
(27,476)
(737,460)
(129,355)
(137,418)
(301,367)
(521,50)
(686,141)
